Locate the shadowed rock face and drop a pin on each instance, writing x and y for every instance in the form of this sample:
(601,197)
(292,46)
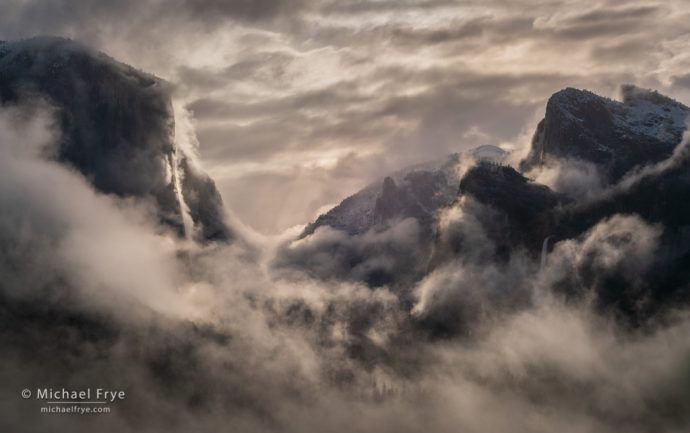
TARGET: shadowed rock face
(204,202)
(617,136)
(116,127)
(526,208)
(417,199)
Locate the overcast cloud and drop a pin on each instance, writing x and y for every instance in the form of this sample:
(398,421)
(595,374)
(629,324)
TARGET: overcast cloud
(302,102)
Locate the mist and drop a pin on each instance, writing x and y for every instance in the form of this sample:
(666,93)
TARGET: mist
(206,337)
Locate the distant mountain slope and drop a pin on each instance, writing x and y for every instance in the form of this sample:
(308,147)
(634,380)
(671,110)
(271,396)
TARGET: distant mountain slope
(116,128)
(416,192)
(384,234)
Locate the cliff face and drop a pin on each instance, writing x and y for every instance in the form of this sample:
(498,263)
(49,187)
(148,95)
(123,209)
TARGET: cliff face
(115,126)
(643,128)
(527,208)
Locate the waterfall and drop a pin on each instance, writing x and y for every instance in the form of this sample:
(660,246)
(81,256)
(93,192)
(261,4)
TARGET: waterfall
(544,252)
(187,222)
(184,145)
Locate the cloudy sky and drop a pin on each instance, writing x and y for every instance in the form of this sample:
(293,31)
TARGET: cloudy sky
(292,105)
(298,103)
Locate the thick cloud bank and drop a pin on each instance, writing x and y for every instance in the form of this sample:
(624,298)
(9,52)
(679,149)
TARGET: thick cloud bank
(208,338)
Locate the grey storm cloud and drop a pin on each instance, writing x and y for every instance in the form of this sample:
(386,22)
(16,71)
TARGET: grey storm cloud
(602,22)
(360,6)
(298,86)
(455,106)
(56,16)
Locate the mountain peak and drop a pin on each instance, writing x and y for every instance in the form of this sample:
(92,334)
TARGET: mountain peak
(389,186)
(116,127)
(415,191)
(488,152)
(48,41)
(574,94)
(616,136)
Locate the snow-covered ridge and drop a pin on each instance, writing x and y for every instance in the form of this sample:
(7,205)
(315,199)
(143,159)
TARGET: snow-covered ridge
(648,113)
(422,189)
(641,113)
